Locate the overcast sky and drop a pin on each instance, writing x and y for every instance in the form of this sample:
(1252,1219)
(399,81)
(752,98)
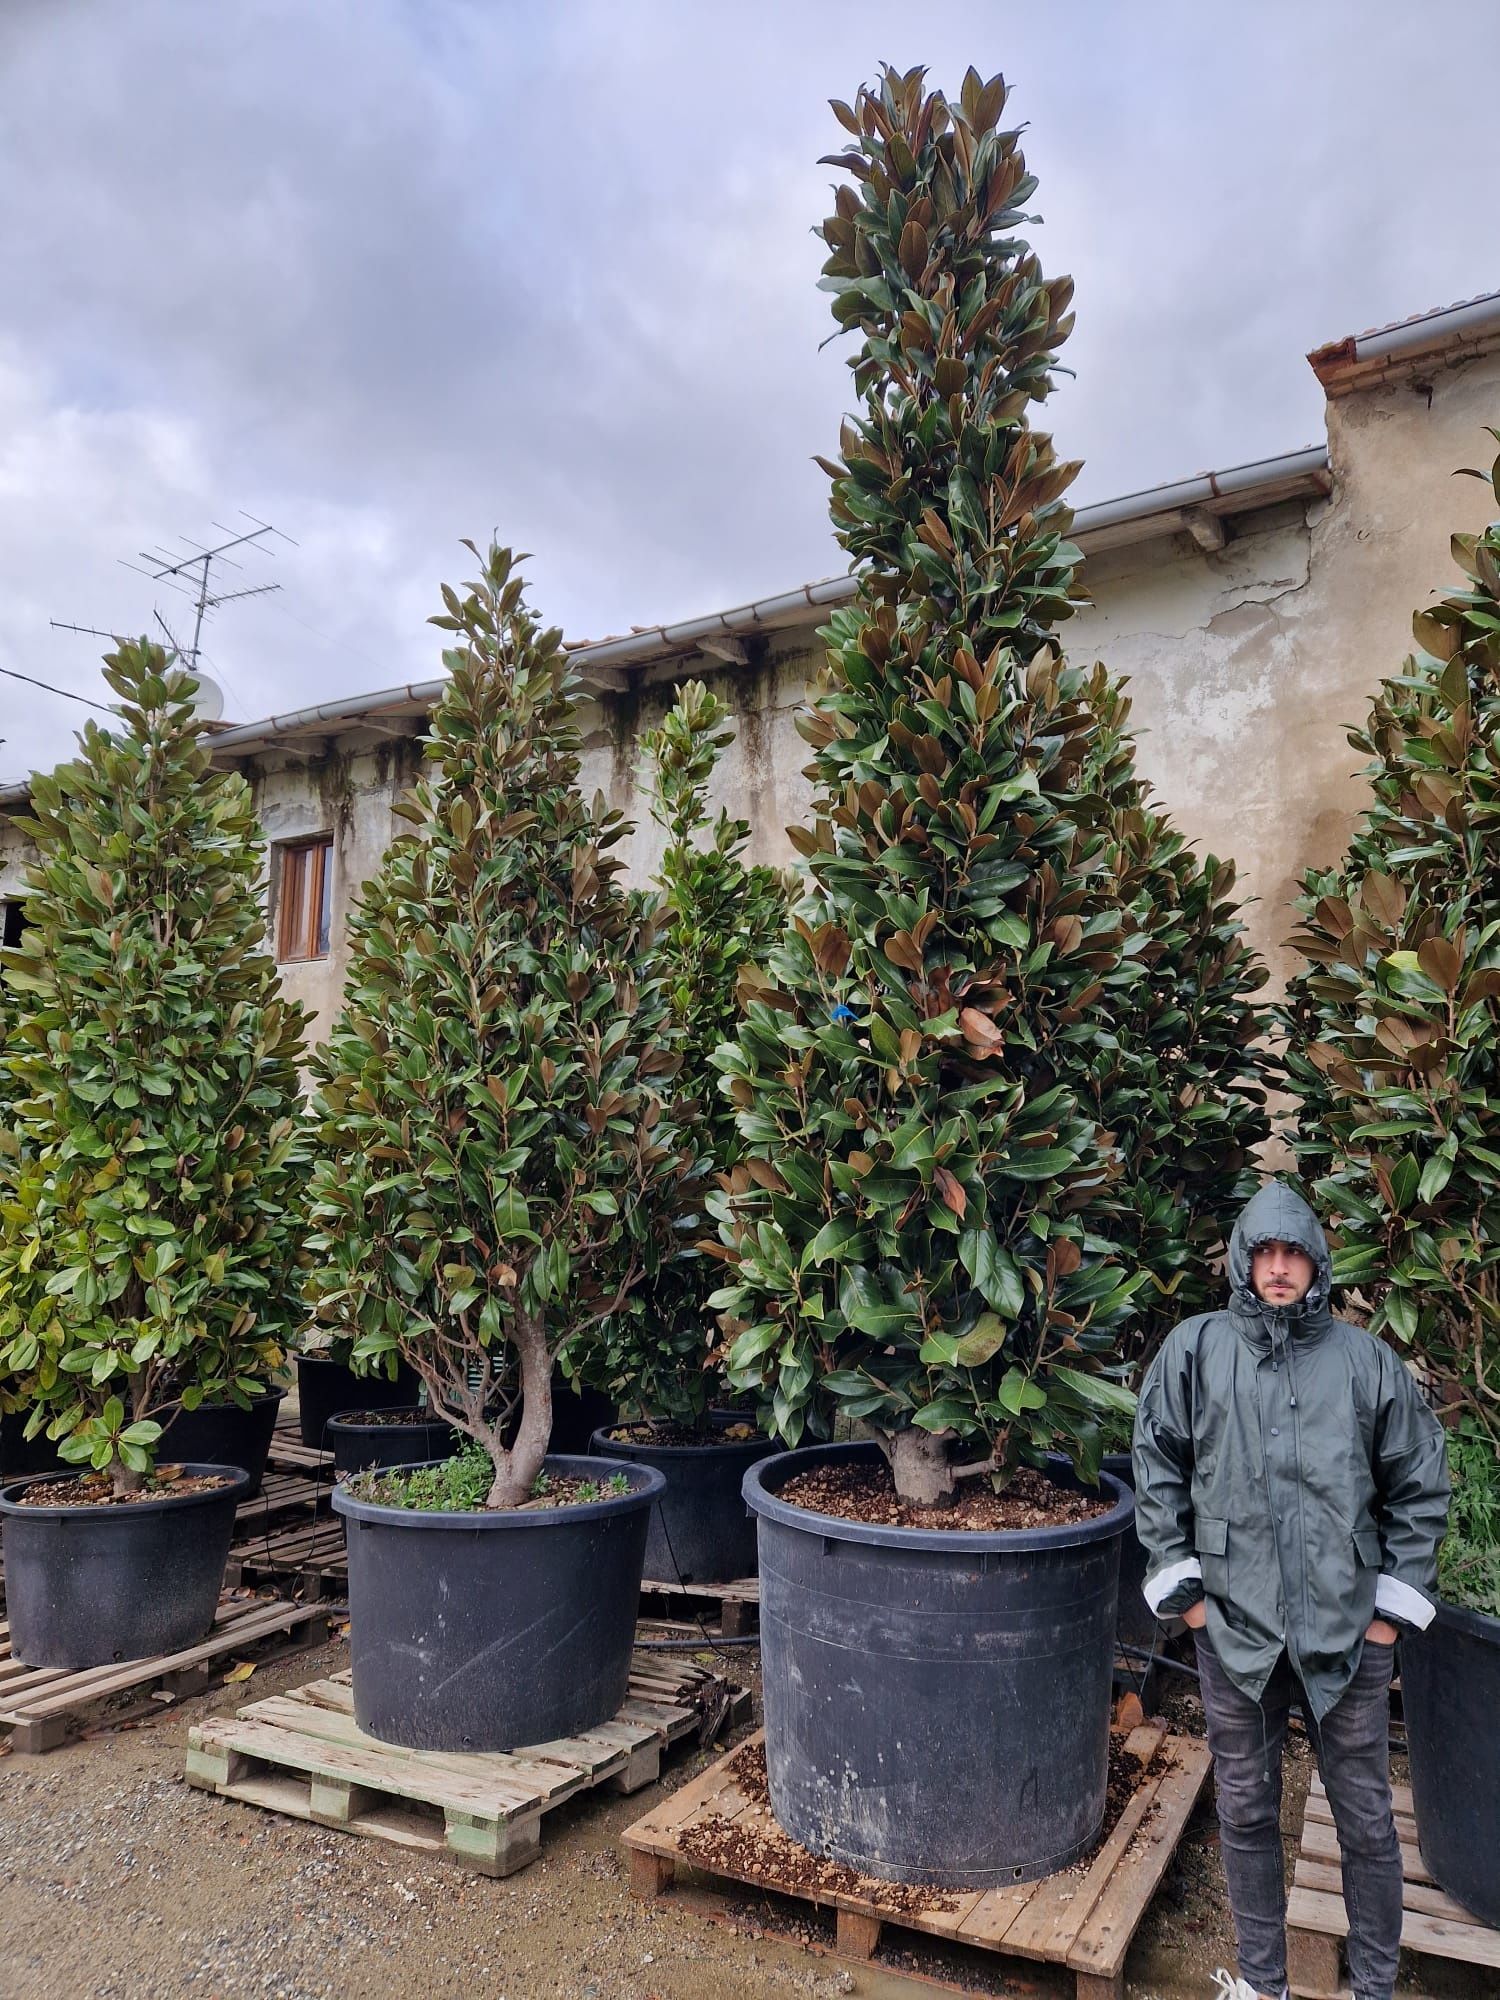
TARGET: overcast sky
(391,272)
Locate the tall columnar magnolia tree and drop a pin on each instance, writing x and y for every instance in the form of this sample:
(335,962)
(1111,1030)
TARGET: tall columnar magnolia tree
(151,1220)
(913,1229)
(1395,1025)
(718,918)
(1177,1068)
(494,1149)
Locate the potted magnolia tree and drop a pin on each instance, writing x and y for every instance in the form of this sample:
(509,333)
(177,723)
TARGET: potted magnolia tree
(493,1148)
(150,1228)
(1394,1046)
(913,1228)
(661,1359)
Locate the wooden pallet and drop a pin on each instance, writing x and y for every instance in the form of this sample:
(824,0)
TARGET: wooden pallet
(1316,1919)
(289,1454)
(44,1707)
(1082,1918)
(304,1754)
(283,1495)
(308,1556)
(737,1603)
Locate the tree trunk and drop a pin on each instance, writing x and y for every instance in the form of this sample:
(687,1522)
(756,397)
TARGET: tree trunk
(516,1470)
(920,1467)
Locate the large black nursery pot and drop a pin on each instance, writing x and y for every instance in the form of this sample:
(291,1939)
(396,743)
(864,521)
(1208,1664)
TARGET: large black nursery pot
(325,1387)
(701,1530)
(1135,1622)
(20,1455)
(357,1444)
(225,1434)
(1450,1699)
(937,1702)
(485,1631)
(86,1586)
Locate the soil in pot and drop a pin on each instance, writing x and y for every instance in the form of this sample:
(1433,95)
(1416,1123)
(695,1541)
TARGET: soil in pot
(325,1387)
(701,1531)
(1450,1698)
(90,1582)
(937,1700)
(482,1630)
(360,1439)
(225,1434)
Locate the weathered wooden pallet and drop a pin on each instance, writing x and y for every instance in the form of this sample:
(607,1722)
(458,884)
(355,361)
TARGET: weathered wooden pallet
(289,1454)
(43,1707)
(1082,1918)
(304,1754)
(308,1557)
(1316,1919)
(283,1495)
(737,1604)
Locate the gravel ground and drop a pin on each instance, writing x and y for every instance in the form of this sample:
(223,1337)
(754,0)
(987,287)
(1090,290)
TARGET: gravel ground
(118,1882)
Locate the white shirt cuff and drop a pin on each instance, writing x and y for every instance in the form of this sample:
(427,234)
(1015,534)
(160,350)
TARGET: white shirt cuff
(1409,1605)
(1165,1581)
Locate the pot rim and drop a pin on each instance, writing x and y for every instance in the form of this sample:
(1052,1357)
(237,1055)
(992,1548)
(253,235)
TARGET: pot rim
(768,1504)
(416,1418)
(647,1482)
(1464,1618)
(111,1511)
(275,1392)
(628,1448)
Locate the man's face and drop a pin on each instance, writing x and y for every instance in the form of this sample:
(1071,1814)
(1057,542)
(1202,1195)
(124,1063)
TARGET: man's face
(1281,1273)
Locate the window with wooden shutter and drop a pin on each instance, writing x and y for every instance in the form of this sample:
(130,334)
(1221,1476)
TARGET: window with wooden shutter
(304,895)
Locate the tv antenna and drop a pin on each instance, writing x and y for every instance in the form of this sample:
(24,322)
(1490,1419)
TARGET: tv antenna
(193,576)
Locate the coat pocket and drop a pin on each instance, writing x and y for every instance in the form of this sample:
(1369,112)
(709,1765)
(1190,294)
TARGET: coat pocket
(1211,1540)
(1367,1548)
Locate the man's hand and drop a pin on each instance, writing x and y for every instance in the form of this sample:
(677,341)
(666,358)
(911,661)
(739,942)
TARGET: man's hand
(1381,1634)
(1196,1616)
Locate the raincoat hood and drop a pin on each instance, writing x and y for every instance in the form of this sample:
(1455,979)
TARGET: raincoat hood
(1279,1214)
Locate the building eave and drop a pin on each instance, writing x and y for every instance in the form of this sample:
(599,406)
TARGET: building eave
(1444,338)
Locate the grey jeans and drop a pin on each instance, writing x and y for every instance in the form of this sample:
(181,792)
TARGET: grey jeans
(1352,1746)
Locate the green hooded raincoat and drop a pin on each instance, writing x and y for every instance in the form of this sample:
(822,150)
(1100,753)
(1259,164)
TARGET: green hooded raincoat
(1288,1471)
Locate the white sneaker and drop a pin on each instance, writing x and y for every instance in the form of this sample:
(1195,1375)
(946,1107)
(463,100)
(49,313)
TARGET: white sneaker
(1230,1988)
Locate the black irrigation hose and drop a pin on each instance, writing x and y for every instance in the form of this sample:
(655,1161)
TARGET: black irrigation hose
(1155,1659)
(694,1645)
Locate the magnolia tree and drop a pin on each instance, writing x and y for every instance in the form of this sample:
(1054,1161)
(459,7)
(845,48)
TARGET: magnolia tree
(1176,1065)
(1394,1028)
(718,918)
(913,1232)
(494,1154)
(151,1219)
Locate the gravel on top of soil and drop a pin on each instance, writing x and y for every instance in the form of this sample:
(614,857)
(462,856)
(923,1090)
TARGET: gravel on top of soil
(867,1493)
(93,1489)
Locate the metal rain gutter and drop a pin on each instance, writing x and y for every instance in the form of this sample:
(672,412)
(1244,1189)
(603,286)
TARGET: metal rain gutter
(1450,334)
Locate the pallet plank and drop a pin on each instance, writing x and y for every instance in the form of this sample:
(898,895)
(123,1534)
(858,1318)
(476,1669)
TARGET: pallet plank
(1104,1938)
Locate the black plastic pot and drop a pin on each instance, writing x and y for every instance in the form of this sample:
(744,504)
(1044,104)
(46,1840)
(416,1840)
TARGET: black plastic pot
(357,1446)
(20,1455)
(485,1631)
(1450,1699)
(1135,1623)
(325,1387)
(86,1586)
(701,1530)
(937,1702)
(576,1415)
(225,1434)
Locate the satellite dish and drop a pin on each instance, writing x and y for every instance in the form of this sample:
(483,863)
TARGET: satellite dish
(208,703)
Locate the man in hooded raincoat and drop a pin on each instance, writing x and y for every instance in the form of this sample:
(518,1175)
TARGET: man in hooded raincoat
(1291,1492)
